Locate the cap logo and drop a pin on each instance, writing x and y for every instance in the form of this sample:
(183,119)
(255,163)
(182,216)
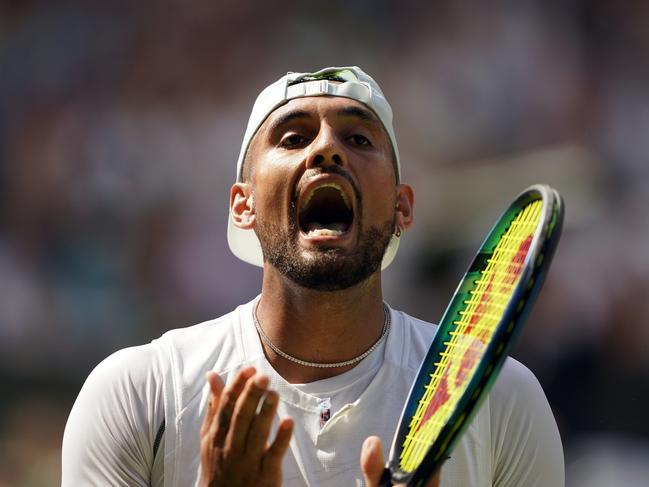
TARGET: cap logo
(333,75)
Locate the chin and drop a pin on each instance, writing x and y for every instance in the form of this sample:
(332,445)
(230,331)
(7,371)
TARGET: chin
(329,269)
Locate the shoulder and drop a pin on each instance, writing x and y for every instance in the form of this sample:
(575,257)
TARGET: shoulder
(141,367)
(127,367)
(517,386)
(138,372)
(129,376)
(113,424)
(525,441)
(115,417)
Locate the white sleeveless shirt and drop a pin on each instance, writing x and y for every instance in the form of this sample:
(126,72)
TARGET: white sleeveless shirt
(109,439)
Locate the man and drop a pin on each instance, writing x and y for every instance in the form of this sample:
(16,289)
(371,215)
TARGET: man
(300,377)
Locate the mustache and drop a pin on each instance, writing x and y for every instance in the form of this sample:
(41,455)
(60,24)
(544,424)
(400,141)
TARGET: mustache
(330,169)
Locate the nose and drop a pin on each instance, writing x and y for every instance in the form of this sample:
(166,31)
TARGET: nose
(326,150)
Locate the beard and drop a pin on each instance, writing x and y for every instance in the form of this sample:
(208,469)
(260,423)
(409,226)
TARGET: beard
(323,269)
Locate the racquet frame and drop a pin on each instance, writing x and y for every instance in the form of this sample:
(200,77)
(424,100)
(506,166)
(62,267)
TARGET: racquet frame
(530,279)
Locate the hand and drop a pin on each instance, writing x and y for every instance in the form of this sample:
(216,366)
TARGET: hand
(372,464)
(234,437)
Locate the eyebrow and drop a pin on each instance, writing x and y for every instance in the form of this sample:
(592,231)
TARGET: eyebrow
(360,113)
(287,118)
(356,112)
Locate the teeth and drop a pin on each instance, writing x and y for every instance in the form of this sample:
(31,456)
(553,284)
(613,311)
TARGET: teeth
(316,229)
(327,185)
(324,232)
(335,226)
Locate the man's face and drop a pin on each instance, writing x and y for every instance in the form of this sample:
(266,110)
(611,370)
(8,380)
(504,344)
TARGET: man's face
(324,191)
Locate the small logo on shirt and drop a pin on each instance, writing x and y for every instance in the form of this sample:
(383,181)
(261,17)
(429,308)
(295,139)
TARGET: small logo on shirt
(325,411)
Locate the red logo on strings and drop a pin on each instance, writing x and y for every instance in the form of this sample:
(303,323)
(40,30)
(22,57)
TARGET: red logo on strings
(472,354)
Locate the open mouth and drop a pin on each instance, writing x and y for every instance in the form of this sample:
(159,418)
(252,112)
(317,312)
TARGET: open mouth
(325,211)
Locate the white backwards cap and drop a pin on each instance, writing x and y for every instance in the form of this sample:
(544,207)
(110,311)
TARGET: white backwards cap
(347,82)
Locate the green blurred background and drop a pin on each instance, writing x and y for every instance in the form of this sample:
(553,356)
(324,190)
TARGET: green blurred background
(120,124)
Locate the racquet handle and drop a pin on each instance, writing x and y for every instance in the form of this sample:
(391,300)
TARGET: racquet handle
(386,478)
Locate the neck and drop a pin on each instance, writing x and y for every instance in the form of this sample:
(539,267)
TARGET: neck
(316,326)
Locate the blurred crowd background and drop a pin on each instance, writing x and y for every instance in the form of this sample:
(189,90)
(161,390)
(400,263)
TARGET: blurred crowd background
(120,124)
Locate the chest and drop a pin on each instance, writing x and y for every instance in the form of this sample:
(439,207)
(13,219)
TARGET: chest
(330,456)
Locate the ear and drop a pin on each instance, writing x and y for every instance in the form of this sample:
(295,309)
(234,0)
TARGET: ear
(242,206)
(405,205)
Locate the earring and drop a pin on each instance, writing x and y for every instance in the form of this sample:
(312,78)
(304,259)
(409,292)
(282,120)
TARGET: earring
(397,231)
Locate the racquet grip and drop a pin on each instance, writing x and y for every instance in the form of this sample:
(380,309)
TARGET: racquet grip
(386,478)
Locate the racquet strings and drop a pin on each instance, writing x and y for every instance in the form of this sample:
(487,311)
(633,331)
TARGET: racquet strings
(471,332)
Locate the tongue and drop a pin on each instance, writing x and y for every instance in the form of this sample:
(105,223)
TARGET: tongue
(329,229)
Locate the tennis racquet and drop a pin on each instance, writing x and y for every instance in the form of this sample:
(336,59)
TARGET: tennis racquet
(475,335)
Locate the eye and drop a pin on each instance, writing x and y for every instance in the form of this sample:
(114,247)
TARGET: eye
(359,139)
(293,140)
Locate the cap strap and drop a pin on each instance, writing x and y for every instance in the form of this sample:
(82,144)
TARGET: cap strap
(359,90)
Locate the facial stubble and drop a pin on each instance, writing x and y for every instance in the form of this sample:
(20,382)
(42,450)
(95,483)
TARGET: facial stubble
(325,268)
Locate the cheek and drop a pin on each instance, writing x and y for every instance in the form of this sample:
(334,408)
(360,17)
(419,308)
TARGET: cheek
(271,193)
(382,213)
(379,199)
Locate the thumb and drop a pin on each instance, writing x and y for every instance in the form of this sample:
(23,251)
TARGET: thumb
(372,461)
(216,388)
(216,383)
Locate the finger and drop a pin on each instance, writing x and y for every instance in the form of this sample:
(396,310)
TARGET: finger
(216,388)
(272,463)
(221,421)
(257,440)
(435,480)
(372,461)
(245,410)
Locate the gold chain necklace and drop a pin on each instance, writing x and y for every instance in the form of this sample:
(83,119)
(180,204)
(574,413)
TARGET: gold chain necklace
(267,340)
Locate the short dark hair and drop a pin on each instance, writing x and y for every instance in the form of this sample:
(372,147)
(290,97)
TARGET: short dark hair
(246,165)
